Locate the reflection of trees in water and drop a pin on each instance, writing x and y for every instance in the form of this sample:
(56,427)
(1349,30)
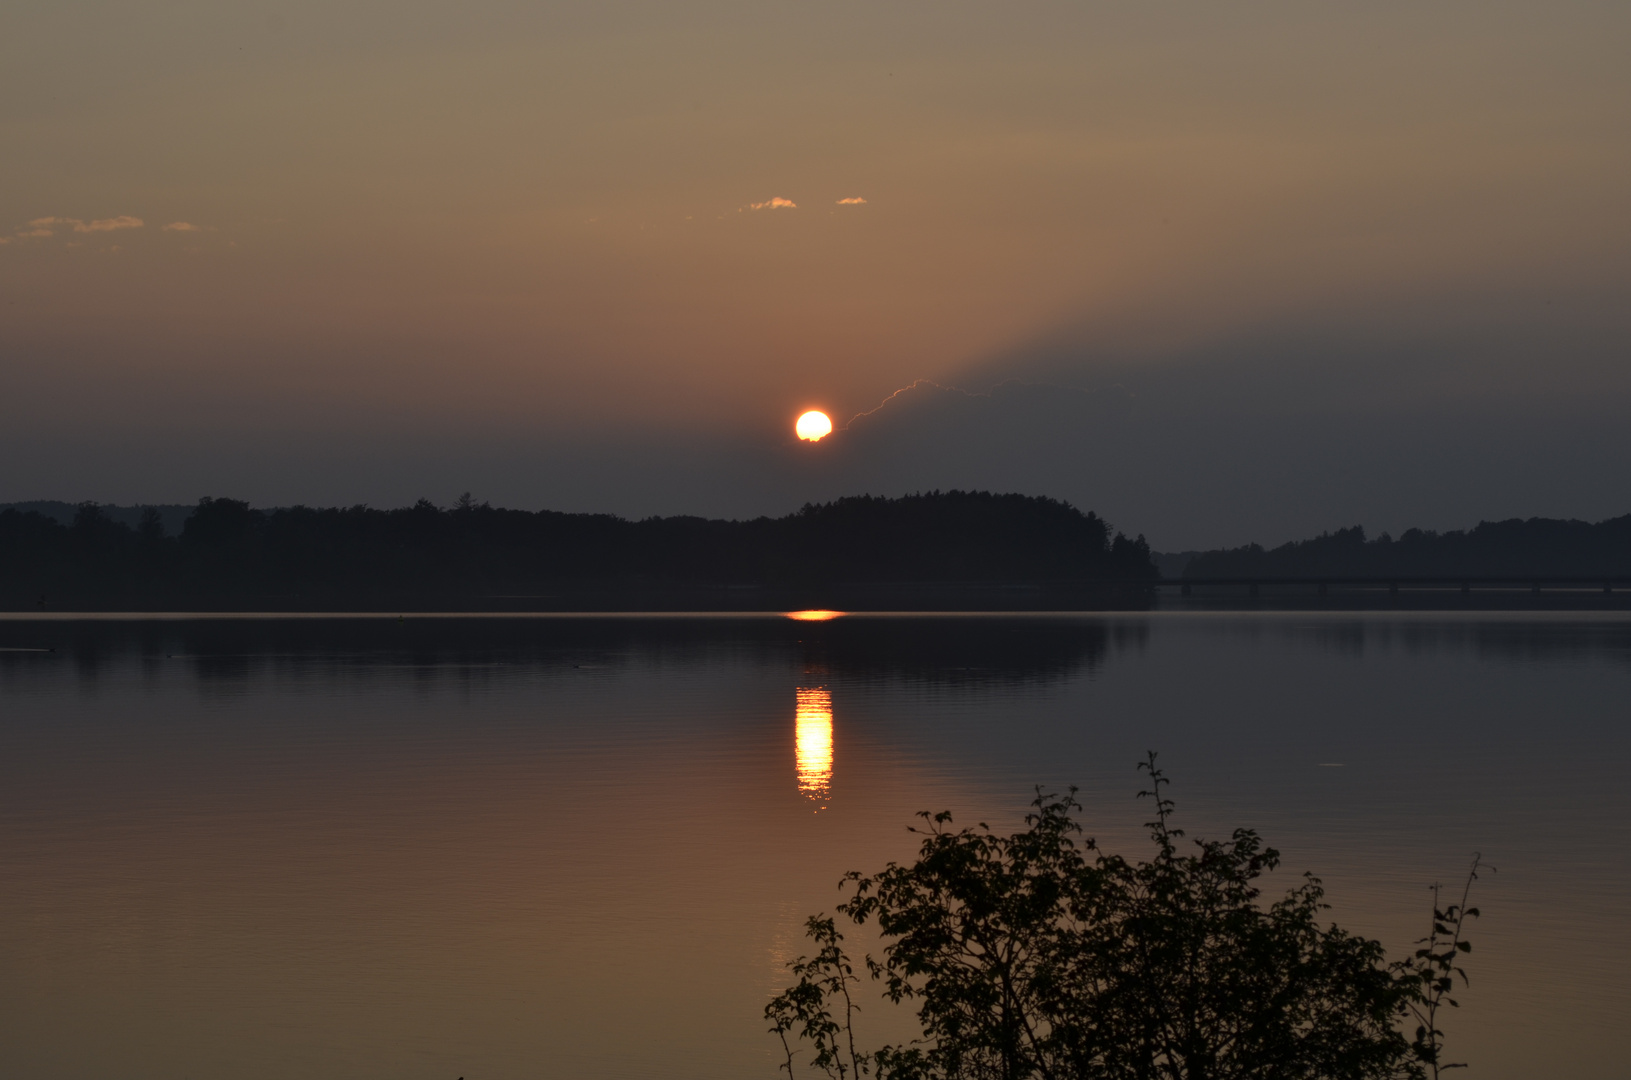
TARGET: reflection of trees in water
(228,653)
(934,649)
(948,650)
(1554,641)
(966,650)
(1346,638)
(1493,639)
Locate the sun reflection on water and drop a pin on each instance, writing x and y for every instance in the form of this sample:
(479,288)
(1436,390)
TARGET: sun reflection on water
(814,615)
(813,744)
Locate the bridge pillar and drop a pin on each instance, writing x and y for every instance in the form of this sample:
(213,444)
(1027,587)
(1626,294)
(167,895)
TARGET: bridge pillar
(1608,586)
(1322,588)
(1251,590)
(1536,589)
(1466,587)
(1183,590)
(1393,588)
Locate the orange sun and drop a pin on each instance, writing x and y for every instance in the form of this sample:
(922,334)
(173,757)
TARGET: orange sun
(813,426)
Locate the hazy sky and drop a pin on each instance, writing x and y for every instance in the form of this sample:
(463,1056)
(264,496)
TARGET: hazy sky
(598,256)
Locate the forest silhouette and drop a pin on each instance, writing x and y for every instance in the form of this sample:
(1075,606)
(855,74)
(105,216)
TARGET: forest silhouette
(925,551)
(1537,547)
(475,556)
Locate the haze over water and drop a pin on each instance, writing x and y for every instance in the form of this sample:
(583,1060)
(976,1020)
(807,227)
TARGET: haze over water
(498,847)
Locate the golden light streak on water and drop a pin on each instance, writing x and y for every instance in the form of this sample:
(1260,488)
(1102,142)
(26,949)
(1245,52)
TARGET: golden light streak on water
(815,615)
(813,744)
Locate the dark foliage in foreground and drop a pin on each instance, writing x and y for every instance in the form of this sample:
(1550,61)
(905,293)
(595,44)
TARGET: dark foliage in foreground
(1542,547)
(1037,955)
(230,553)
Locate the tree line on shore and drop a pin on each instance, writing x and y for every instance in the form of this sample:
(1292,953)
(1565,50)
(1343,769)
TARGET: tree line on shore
(229,552)
(1539,547)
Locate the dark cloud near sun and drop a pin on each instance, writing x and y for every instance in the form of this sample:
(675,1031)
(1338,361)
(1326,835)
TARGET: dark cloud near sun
(1191,474)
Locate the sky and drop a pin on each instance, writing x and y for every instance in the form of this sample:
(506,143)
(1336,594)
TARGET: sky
(1222,273)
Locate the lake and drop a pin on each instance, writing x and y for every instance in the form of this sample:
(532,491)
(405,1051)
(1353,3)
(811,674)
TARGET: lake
(499,847)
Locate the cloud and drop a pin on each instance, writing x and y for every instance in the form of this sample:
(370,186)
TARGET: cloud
(46,226)
(123,221)
(777,203)
(854,201)
(1192,469)
(42,226)
(181,226)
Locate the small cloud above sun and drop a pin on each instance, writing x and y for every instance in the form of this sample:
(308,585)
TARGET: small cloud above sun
(813,426)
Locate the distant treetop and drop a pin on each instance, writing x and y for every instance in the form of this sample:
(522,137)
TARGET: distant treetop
(1543,547)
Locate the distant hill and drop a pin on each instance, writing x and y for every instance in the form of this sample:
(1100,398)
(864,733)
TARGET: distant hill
(229,555)
(1541,547)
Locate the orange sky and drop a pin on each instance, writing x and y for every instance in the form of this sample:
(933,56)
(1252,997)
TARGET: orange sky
(520,217)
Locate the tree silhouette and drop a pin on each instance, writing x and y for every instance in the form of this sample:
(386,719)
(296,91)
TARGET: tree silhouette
(1037,955)
(232,555)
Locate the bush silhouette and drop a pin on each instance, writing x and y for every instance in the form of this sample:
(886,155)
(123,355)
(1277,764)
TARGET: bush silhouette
(1037,955)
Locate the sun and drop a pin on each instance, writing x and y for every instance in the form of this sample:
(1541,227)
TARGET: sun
(813,426)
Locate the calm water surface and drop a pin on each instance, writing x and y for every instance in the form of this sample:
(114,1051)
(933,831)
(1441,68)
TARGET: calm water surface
(500,848)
